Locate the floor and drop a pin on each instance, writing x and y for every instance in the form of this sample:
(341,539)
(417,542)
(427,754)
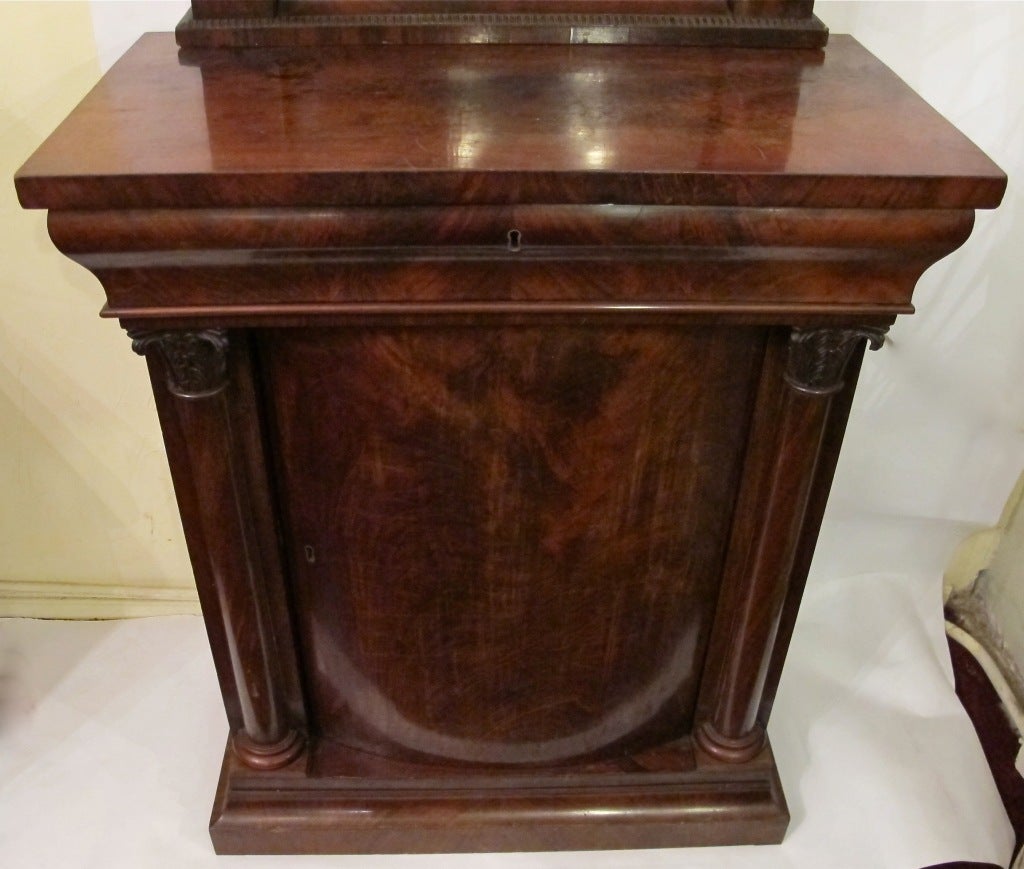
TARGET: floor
(111,736)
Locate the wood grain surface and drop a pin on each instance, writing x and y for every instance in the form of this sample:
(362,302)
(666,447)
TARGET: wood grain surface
(505,124)
(506,542)
(246,266)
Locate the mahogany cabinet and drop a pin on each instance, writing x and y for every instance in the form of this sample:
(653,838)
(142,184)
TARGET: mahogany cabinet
(502,387)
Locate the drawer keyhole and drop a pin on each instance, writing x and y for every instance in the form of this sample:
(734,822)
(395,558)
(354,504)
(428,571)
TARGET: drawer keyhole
(515,238)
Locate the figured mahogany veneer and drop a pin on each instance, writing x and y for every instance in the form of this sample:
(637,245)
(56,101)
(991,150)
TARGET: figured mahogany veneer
(481,512)
(502,388)
(446,125)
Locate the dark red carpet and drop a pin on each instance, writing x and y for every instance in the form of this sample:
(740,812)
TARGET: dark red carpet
(997,737)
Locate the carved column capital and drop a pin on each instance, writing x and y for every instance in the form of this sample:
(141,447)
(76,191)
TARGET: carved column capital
(196,361)
(818,357)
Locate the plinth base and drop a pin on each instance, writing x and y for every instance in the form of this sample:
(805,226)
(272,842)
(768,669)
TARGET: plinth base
(676,797)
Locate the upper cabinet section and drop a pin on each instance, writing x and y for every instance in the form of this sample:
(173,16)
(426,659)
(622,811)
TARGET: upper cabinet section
(266,23)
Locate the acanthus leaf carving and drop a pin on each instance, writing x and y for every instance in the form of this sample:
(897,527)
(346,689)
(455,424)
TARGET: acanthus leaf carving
(196,361)
(818,357)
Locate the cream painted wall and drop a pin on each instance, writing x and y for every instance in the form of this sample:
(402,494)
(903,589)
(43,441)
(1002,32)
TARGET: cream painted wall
(938,430)
(936,439)
(88,523)
(118,23)
(936,436)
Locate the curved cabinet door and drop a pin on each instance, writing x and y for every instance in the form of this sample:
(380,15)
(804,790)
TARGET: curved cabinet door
(506,541)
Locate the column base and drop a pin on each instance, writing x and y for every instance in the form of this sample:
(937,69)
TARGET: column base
(257,755)
(730,749)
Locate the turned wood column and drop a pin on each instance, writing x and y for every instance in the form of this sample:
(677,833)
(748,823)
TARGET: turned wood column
(211,410)
(786,435)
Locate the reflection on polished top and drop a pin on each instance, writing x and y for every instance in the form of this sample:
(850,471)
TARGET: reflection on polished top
(464,123)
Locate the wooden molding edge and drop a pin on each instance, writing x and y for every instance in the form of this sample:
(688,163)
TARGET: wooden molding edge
(713,804)
(72,600)
(557,28)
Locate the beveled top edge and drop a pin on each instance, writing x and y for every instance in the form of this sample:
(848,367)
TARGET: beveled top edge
(243,190)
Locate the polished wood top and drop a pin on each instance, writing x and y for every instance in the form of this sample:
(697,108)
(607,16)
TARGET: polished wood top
(388,125)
